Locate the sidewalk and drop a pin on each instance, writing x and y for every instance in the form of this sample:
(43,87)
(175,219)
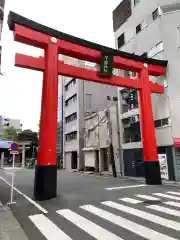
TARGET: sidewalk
(138,179)
(9,227)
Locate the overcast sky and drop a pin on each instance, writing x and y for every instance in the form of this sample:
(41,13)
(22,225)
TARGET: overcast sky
(20,95)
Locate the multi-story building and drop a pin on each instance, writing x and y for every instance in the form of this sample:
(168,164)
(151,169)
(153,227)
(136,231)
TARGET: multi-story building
(80,98)
(151,28)
(2,3)
(59,119)
(15,123)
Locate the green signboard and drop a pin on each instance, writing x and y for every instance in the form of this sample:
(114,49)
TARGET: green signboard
(106,65)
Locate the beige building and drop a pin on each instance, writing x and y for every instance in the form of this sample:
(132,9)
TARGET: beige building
(100,129)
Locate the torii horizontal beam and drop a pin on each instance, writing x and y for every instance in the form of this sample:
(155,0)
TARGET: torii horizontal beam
(38,64)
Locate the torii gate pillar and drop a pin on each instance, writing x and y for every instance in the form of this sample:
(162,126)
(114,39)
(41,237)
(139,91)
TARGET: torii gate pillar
(46,170)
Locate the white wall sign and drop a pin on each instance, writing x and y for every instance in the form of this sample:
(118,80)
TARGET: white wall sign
(163,166)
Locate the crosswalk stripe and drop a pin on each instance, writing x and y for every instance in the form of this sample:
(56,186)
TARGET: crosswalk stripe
(147,197)
(130,200)
(124,187)
(174,204)
(174,193)
(91,228)
(164,210)
(144,215)
(48,228)
(166,196)
(138,229)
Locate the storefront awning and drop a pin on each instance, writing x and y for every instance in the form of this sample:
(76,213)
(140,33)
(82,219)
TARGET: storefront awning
(176,142)
(4,144)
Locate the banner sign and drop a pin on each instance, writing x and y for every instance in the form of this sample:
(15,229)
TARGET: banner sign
(106,65)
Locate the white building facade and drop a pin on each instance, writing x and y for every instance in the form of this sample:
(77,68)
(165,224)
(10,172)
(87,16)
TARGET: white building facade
(151,28)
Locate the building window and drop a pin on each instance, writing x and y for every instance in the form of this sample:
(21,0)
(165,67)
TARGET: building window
(71,117)
(136,2)
(155,14)
(138,28)
(71,100)
(155,50)
(161,122)
(121,40)
(70,84)
(71,136)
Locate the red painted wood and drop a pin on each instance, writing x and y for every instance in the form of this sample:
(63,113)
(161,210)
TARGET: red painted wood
(81,73)
(90,75)
(34,38)
(29,62)
(146,116)
(30,37)
(48,128)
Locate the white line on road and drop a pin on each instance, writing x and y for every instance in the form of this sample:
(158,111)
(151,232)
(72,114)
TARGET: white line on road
(124,187)
(173,204)
(138,229)
(144,215)
(147,197)
(174,193)
(91,228)
(164,210)
(166,196)
(26,197)
(130,200)
(48,228)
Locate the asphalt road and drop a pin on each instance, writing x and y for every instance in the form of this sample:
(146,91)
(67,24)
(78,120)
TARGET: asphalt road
(90,207)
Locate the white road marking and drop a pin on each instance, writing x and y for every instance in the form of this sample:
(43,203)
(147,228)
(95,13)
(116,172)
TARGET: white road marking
(86,225)
(138,229)
(130,200)
(144,215)
(48,228)
(174,204)
(147,197)
(27,198)
(124,187)
(166,196)
(164,210)
(174,193)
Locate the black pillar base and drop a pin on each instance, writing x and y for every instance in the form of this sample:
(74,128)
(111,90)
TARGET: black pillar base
(152,172)
(45,182)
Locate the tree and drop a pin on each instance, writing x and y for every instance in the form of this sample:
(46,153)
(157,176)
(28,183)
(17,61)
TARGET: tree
(9,133)
(59,127)
(28,135)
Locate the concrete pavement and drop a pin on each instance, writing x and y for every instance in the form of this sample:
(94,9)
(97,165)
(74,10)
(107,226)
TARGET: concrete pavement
(90,207)
(10,229)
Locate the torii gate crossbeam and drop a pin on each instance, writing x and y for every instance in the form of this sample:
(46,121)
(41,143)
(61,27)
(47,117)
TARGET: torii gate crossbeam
(55,43)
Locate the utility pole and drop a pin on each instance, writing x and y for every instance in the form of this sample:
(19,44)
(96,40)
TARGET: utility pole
(110,147)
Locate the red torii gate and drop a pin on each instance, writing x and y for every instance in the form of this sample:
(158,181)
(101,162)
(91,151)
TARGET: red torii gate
(54,43)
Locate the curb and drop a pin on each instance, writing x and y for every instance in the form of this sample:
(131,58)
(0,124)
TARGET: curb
(9,227)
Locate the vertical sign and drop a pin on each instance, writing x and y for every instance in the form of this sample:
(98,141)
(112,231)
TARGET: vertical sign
(163,166)
(106,65)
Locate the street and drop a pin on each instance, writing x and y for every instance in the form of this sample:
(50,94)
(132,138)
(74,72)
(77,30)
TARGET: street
(92,207)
